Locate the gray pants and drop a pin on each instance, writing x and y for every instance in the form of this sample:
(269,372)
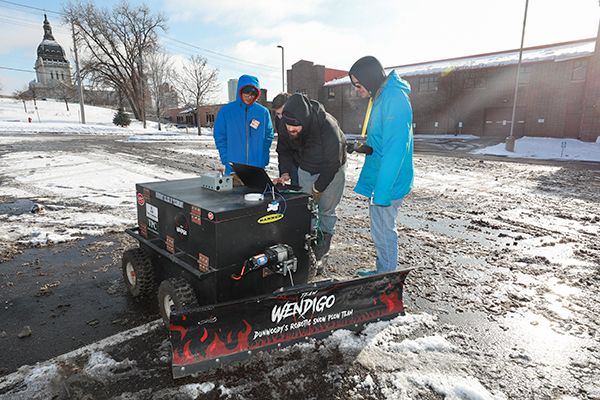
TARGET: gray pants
(329,199)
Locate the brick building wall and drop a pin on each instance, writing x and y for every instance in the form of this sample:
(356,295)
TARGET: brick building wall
(308,79)
(550,102)
(187,116)
(590,125)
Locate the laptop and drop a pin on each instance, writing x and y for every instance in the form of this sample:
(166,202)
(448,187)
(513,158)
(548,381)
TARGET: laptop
(257,178)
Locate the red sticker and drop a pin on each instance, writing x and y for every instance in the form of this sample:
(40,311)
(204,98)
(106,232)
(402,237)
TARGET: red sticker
(141,200)
(211,216)
(255,124)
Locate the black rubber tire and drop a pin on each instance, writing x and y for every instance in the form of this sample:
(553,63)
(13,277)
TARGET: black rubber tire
(138,272)
(175,294)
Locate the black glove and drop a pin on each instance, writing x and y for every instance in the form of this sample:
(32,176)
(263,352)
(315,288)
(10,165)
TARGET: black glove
(359,147)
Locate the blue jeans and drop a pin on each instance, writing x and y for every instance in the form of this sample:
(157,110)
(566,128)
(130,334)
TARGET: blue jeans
(385,235)
(329,199)
(294,176)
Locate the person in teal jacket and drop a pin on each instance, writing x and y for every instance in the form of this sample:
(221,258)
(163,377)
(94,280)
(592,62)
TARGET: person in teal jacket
(387,174)
(243,130)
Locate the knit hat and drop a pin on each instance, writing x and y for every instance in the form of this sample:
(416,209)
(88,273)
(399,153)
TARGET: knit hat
(289,119)
(296,111)
(369,72)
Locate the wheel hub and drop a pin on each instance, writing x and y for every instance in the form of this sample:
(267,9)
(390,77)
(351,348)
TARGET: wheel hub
(130,274)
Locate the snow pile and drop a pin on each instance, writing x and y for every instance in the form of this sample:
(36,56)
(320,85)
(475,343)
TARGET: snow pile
(50,116)
(399,365)
(547,149)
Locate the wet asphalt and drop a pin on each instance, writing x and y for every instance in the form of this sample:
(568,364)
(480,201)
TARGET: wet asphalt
(59,298)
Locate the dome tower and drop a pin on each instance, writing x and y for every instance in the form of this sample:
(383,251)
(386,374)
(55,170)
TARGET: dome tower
(52,66)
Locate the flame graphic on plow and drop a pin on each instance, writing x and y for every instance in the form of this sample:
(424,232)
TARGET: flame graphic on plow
(232,334)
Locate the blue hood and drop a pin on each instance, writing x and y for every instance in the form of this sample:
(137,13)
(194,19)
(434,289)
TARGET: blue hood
(394,80)
(247,80)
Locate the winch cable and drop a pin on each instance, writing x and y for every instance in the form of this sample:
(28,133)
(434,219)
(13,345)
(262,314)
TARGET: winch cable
(317,212)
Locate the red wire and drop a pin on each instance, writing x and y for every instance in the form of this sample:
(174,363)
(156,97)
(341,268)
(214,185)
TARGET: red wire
(240,275)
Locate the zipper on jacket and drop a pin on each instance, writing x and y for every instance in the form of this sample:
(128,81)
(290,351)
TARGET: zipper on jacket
(247,150)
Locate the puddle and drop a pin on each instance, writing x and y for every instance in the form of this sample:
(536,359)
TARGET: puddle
(19,207)
(457,228)
(538,338)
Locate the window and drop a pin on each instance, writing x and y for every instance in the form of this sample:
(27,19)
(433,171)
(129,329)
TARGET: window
(210,118)
(579,70)
(428,84)
(475,80)
(331,93)
(525,75)
(51,75)
(352,92)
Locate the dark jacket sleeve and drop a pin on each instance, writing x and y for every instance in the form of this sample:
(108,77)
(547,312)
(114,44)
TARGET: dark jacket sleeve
(334,151)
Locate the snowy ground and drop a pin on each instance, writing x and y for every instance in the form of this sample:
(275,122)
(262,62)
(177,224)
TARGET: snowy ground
(502,303)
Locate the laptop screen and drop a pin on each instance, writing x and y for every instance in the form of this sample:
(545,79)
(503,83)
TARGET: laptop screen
(254,177)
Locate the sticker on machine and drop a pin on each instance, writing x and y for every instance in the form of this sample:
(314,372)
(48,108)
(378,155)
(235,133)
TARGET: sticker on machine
(151,211)
(140,199)
(267,219)
(152,227)
(182,227)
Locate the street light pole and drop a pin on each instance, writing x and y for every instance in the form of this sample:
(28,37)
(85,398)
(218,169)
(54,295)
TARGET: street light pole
(282,70)
(141,72)
(510,141)
(79,84)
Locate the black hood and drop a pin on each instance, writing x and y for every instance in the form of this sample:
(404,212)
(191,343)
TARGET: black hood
(297,108)
(369,72)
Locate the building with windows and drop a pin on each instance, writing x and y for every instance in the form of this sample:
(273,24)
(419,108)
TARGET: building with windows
(232,89)
(207,114)
(309,79)
(52,66)
(558,91)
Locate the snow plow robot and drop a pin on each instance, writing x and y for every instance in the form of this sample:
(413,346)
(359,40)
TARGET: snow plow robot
(232,266)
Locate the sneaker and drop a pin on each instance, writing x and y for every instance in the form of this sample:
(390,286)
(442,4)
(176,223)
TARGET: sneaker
(366,273)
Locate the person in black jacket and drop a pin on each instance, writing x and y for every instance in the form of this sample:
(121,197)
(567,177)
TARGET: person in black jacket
(315,142)
(277,106)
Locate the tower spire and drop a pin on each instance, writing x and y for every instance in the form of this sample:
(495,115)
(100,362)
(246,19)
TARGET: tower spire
(47,29)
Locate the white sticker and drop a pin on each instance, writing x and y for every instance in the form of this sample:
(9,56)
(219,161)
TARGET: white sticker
(151,211)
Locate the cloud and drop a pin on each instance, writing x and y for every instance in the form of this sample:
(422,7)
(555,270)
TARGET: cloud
(242,13)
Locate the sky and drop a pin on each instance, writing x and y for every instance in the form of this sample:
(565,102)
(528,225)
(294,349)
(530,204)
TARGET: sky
(240,37)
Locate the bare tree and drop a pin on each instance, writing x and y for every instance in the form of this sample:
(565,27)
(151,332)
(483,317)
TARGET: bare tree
(160,73)
(23,95)
(114,43)
(198,84)
(61,91)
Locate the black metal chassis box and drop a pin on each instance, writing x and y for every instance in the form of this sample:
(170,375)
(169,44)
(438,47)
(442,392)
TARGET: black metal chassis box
(206,236)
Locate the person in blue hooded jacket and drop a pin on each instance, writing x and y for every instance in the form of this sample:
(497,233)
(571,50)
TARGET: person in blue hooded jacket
(387,174)
(243,130)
